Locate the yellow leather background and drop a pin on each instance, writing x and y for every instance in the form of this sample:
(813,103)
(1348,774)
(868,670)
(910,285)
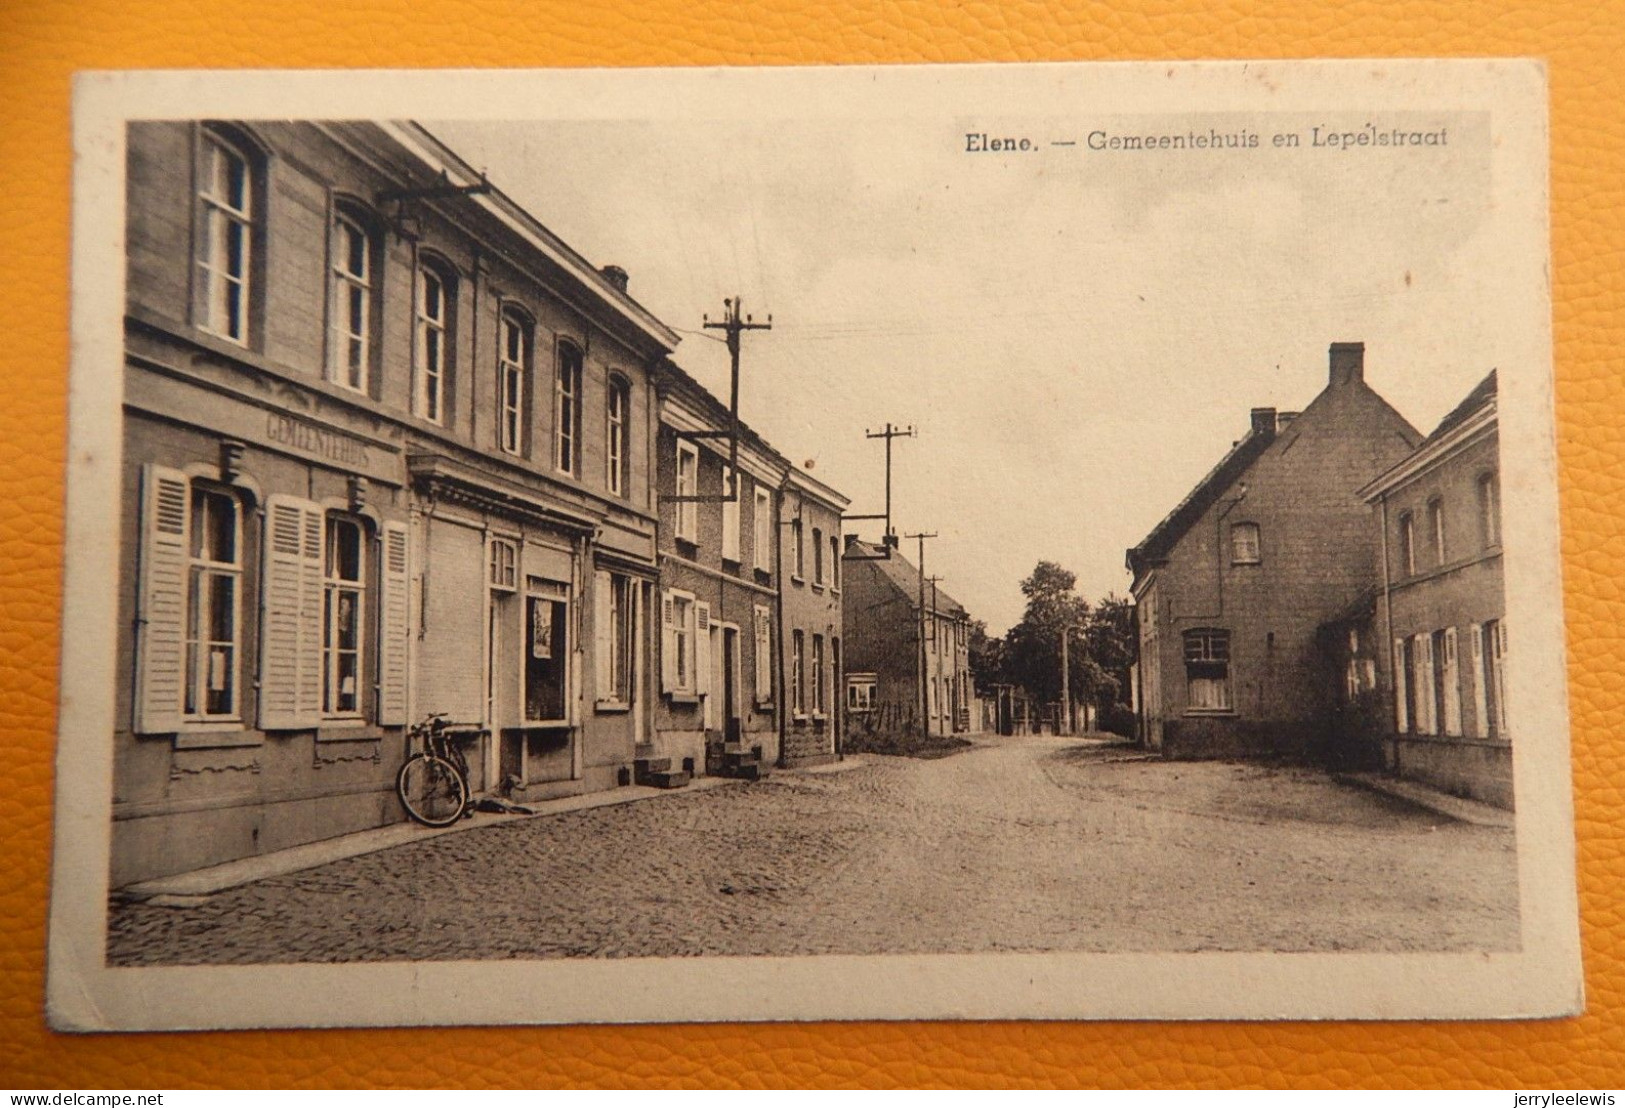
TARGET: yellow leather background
(42,42)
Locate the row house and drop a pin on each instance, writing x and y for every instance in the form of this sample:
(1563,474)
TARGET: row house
(1233,587)
(750,633)
(1422,660)
(904,659)
(387,451)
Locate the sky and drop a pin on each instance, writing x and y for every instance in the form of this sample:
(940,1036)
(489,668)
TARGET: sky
(1076,335)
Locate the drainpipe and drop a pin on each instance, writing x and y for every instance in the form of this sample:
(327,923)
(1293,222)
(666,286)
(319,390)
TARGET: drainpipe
(1388,623)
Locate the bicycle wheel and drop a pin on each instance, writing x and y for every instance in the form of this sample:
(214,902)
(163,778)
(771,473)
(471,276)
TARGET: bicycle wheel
(432,791)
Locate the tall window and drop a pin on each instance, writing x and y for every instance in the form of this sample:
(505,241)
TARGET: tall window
(225,239)
(1407,542)
(616,598)
(835,561)
(567,410)
(798,691)
(1244,547)
(513,375)
(343,618)
(764,529)
(212,624)
(799,549)
(819,706)
(619,406)
(1489,510)
(432,356)
(730,516)
(680,624)
(764,655)
(1207,670)
(349,344)
(688,484)
(818,555)
(1436,529)
(547,650)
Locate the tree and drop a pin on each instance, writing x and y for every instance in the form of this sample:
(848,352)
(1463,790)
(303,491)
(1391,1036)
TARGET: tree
(988,659)
(1114,645)
(1033,646)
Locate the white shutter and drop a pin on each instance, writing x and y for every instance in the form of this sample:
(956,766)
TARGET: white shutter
(702,647)
(291,620)
(730,515)
(602,635)
(1424,693)
(764,656)
(1402,682)
(1499,649)
(394,626)
(1475,637)
(668,642)
(166,509)
(1452,685)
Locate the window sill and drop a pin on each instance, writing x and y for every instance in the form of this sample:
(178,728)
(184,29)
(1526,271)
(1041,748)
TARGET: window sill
(797,579)
(611,707)
(338,731)
(817,587)
(1211,713)
(204,736)
(683,698)
(1246,561)
(764,705)
(764,576)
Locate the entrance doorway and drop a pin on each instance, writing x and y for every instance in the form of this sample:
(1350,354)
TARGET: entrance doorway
(732,726)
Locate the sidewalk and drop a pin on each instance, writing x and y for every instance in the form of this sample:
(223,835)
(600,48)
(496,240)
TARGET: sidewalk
(1457,808)
(183,889)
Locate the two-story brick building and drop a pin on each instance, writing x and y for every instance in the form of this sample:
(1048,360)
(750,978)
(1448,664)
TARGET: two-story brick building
(891,678)
(811,619)
(1233,586)
(1431,640)
(386,452)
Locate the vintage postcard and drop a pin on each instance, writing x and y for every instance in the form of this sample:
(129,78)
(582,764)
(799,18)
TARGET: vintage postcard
(1001,542)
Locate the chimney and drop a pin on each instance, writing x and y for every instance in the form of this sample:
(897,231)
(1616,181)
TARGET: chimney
(1263,421)
(615,275)
(892,540)
(1347,363)
(1284,418)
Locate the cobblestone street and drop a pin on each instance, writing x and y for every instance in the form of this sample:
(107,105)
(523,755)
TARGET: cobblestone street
(1021,845)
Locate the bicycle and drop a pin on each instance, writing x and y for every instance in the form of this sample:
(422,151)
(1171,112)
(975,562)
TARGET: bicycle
(433,783)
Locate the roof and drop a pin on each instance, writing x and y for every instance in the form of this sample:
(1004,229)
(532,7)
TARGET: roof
(905,575)
(1482,394)
(1166,534)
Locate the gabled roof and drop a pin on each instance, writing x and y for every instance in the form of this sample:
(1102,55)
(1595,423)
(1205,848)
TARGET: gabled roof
(1482,394)
(1166,534)
(904,575)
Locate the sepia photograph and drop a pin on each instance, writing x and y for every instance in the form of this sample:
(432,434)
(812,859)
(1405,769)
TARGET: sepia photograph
(935,542)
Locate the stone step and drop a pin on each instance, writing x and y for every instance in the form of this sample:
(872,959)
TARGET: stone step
(651,765)
(668,779)
(746,771)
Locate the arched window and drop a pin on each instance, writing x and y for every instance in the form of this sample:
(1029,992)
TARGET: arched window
(513,380)
(353,249)
(567,410)
(1436,529)
(618,407)
(1244,545)
(229,204)
(431,366)
(1407,542)
(1489,509)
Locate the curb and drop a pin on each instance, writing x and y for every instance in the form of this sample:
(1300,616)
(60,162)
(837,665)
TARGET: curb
(1466,811)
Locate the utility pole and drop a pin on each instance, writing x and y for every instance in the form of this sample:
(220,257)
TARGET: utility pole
(925,711)
(936,638)
(734,325)
(890,537)
(1066,682)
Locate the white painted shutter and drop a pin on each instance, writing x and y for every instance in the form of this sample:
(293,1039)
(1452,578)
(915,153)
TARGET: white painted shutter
(166,509)
(730,515)
(394,626)
(668,642)
(1424,693)
(1402,706)
(1475,636)
(764,656)
(291,619)
(1452,684)
(702,647)
(1499,647)
(602,635)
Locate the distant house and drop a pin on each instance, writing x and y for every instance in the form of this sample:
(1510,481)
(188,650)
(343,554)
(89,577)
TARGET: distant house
(885,689)
(1233,586)
(1433,635)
